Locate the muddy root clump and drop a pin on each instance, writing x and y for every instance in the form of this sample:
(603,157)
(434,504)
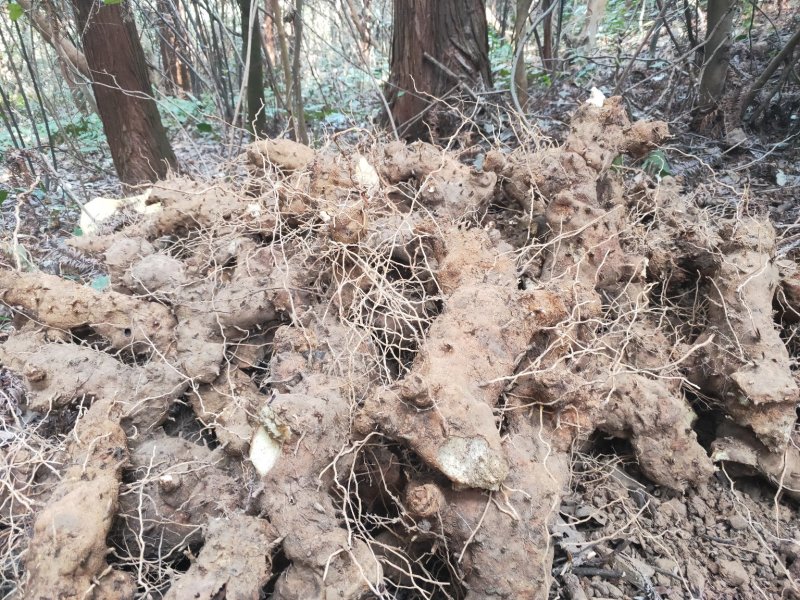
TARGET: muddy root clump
(338,377)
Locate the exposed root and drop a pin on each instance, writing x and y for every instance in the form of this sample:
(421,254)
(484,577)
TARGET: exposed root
(241,541)
(125,322)
(338,364)
(748,367)
(67,550)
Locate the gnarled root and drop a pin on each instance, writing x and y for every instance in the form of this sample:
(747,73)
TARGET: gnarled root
(747,366)
(67,551)
(308,426)
(241,541)
(443,408)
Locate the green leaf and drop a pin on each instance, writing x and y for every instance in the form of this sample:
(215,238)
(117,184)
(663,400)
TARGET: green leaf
(656,164)
(15,11)
(112,2)
(25,258)
(205,127)
(77,232)
(3,196)
(100,283)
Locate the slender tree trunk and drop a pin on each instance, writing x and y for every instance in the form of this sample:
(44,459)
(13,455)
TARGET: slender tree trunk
(784,56)
(595,11)
(137,138)
(520,70)
(290,66)
(49,30)
(71,61)
(716,51)
(504,17)
(277,17)
(173,50)
(270,48)
(547,35)
(251,53)
(297,86)
(438,46)
(359,21)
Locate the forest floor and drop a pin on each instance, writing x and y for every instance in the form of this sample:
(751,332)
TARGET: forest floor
(495,370)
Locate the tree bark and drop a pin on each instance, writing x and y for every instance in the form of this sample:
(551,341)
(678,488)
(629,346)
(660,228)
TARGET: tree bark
(716,53)
(520,70)
(71,61)
(547,35)
(301,133)
(438,46)
(268,33)
(251,52)
(49,31)
(359,20)
(137,138)
(595,11)
(173,49)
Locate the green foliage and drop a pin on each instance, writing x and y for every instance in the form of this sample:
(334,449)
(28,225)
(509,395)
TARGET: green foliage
(540,77)
(15,11)
(3,196)
(85,132)
(185,109)
(326,115)
(501,57)
(656,164)
(112,2)
(620,16)
(344,97)
(191,112)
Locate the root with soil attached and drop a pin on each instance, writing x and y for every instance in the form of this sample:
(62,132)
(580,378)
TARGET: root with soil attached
(334,377)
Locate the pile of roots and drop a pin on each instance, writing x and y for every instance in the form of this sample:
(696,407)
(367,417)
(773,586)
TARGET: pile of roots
(361,372)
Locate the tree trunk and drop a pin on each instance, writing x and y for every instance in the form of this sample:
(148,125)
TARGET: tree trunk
(301,134)
(173,49)
(716,51)
(268,41)
(595,11)
(49,30)
(547,35)
(438,46)
(520,69)
(251,53)
(71,61)
(784,56)
(137,138)
(292,99)
(359,21)
(504,18)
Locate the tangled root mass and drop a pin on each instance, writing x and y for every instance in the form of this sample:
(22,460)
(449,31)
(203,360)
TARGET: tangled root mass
(335,378)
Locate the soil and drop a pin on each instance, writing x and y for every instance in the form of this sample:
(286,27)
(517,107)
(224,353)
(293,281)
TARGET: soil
(384,371)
